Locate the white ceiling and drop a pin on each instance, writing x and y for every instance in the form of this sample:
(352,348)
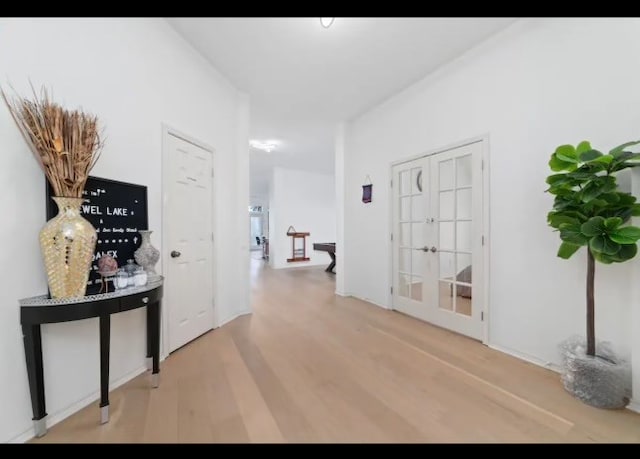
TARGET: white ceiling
(303,79)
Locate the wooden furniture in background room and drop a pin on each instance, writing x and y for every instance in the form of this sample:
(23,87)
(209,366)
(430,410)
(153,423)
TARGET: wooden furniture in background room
(298,245)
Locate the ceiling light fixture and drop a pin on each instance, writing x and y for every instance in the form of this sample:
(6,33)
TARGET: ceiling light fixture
(267,145)
(326,22)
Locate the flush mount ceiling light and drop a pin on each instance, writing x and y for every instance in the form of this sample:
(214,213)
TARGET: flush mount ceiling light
(326,22)
(266,145)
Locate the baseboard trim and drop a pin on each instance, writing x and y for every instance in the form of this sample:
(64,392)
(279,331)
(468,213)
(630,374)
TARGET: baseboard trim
(634,405)
(55,418)
(526,357)
(367,300)
(232,317)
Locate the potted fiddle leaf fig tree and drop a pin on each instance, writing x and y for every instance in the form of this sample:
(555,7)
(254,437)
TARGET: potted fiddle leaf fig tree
(590,211)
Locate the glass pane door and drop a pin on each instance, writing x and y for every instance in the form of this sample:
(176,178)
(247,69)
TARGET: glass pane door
(410,207)
(454,227)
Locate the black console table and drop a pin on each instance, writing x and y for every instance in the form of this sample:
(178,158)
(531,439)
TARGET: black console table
(42,310)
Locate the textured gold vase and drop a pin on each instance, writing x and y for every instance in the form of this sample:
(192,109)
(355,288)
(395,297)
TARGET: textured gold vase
(67,242)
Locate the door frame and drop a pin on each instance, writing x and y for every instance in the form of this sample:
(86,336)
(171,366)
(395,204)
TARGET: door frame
(484,139)
(167,131)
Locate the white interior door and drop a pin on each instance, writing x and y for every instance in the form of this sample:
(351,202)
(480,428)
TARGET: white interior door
(438,256)
(189,241)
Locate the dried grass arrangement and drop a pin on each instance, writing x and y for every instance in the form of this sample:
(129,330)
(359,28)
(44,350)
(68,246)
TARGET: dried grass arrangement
(65,143)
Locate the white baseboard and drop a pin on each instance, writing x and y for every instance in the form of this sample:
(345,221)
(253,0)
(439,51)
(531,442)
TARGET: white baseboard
(53,419)
(232,317)
(527,358)
(634,405)
(383,306)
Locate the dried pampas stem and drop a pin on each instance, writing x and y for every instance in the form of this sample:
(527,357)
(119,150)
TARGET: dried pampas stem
(65,143)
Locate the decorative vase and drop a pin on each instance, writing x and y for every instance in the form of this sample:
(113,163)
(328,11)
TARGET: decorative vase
(67,242)
(147,255)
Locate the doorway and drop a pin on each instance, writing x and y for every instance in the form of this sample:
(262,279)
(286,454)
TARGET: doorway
(187,238)
(256,232)
(438,252)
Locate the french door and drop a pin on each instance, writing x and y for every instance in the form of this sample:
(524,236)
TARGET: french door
(437,239)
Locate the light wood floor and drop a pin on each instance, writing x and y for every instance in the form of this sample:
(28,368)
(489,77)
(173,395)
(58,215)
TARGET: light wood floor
(308,366)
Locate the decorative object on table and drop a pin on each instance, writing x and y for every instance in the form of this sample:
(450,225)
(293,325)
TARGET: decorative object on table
(121,281)
(66,145)
(117,210)
(131,268)
(147,255)
(107,268)
(140,277)
(298,245)
(367,190)
(589,210)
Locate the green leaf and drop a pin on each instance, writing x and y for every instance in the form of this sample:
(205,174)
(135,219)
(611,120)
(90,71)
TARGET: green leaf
(593,227)
(611,198)
(605,160)
(603,258)
(582,147)
(626,199)
(635,210)
(598,186)
(620,148)
(570,213)
(558,165)
(571,233)
(626,252)
(589,155)
(556,219)
(557,178)
(567,153)
(624,213)
(567,249)
(603,244)
(612,223)
(626,235)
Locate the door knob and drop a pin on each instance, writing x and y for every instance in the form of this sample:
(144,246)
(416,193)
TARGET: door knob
(175,254)
(433,249)
(424,249)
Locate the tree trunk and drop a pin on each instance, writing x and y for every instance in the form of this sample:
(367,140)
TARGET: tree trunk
(591,326)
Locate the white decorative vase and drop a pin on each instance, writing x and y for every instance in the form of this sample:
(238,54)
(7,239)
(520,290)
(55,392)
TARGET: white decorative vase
(147,255)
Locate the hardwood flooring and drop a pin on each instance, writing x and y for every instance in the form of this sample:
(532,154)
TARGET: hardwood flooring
(308,366)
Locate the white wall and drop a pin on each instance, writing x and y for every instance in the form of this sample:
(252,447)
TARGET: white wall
(539,84)
(306,201)
(339,188)
(134,74)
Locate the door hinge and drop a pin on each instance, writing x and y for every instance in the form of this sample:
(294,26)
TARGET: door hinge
(482,240)
(391,289)
(482,164)
(212,172)
(211,237)
(392,236)
(482,316)
(391,183)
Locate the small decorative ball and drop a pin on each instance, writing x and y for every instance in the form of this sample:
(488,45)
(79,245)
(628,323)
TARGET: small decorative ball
(107,264)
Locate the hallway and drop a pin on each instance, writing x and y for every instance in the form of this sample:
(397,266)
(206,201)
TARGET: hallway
(309,366)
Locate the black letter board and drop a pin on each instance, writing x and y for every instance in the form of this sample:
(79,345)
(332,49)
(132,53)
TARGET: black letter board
(117,210)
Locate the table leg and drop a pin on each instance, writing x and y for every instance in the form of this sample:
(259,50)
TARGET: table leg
(105,338)
(149,334)
(333,262)
(33,354)
(155,342)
